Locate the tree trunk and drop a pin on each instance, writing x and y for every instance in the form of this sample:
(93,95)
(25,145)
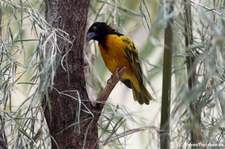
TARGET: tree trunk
(3,140)
(69,114)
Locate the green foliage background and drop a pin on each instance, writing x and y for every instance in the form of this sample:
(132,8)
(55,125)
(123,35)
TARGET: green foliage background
(25,75)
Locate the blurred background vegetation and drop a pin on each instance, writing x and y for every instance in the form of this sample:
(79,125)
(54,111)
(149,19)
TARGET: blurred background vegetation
(124,123)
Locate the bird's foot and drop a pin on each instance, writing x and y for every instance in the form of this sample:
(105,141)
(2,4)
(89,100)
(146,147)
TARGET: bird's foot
(117,75)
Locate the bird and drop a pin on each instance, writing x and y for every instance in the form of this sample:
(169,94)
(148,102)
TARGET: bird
(118,51)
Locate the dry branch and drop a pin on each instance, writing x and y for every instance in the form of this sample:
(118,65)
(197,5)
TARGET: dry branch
(111,83)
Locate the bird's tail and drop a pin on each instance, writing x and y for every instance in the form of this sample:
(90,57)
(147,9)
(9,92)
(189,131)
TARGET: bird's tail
(142,96)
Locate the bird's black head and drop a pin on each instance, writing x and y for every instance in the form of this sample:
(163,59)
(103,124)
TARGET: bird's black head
(98,31)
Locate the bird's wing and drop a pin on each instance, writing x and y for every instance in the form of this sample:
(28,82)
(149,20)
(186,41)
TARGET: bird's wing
(131,54)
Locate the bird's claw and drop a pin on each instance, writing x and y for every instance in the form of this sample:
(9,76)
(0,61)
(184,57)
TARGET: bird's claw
(117,75)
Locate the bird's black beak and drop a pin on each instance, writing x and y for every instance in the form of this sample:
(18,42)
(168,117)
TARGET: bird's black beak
(90,36)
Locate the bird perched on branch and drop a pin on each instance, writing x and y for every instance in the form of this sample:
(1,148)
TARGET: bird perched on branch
(118,51)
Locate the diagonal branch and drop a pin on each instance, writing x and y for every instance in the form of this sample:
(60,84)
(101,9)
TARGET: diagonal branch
(111,83)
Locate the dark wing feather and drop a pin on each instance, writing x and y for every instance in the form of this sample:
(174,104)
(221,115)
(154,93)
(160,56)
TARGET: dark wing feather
(132,56)
(127,83)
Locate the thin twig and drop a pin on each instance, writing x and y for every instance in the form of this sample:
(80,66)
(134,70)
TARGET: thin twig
(209,9)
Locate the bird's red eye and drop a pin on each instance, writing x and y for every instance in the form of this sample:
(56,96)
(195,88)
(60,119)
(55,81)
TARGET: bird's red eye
(94,28)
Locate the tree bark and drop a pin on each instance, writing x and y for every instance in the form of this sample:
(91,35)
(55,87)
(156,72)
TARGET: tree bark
(3,140)
(71,118)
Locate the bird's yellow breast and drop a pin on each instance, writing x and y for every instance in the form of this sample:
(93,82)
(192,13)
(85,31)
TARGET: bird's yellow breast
(113,54)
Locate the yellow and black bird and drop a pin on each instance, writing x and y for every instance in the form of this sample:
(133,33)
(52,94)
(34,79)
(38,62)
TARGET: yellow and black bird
(118,51)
